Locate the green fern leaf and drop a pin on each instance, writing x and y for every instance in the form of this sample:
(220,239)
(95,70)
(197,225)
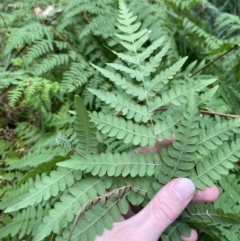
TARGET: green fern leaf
(214,136)
(208,95)
(206,214)
(179,158)
(231,186)
(141,187)
(178,95)
(175,231)
(96,219)
(134,73)
(25,222)
(161,79)
(70,203)
(123,104)
(46,166)
(167,128)
(85,129)
(216,165)
(131,89)
(45,188)
(116,164)
(125,130)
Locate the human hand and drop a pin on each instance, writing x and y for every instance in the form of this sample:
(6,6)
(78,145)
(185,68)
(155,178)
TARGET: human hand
(161,211)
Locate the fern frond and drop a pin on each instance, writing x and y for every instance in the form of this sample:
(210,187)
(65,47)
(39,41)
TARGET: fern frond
(211,42)
(125,130)
(115,164)
(227,24)
(39,48)
(179,158)
(41,155)
(206,215)
(96,219)
(214,136)
(51,62)
(45,188)
(85,129)
(42,168)
(175,231)
(178,94)
(9,197)
(15,94)
(161,79)
(27,35)
(130,88)
(167,127)
(216,165)
(70,203)
(230,185)
(142,190)
(76,76)
(116,194)
(25,222)
(123,104)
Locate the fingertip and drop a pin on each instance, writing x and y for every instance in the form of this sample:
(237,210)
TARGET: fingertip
(210,194)
(193,236)
(164,208)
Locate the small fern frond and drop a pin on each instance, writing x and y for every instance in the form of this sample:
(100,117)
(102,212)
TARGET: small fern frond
(124,105)
(145,54)
(11,197)
(161,79)
(25,222)
(131,40)
(96,219)
(15,94)
(142,190)
(178,94)
(214,136)
(115,164)
(175,231)
(230,185)
(75,77)
(116,194)
(130,88)
(179,158)
(125,130)
(70,203)
(167,127)
(42,168)
(85,129)
(49,63)
(210,41)
(208,217)
(216,165)
(45,188)
(227,24)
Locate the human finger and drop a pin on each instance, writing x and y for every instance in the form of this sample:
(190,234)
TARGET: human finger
(193,236)
(163,209)
(210,194)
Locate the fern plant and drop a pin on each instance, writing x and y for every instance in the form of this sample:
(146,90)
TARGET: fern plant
(148,96)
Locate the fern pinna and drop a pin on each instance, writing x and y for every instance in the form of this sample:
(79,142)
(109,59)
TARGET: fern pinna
(147,101)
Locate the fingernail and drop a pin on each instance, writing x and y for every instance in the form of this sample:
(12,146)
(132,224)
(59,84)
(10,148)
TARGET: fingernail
(184,189)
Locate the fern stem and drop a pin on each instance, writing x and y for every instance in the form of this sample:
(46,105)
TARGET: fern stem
(207,112)
(24,47)
(219,114)
(214,60)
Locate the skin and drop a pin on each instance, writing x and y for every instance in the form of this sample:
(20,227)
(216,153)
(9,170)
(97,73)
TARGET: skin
(150,222)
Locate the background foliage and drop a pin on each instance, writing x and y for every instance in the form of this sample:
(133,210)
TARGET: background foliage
(48,58)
